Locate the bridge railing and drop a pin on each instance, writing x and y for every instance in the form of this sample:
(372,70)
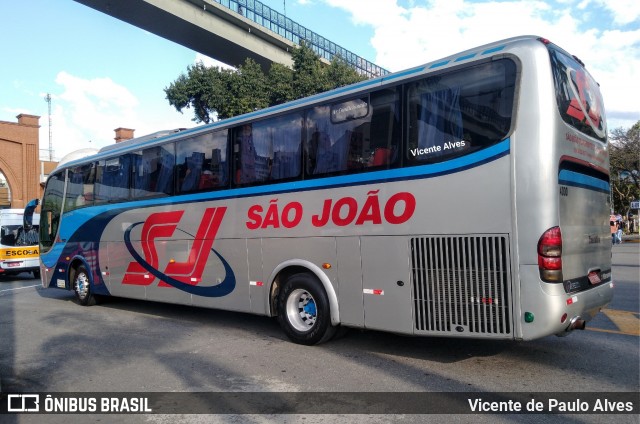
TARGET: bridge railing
(275,21)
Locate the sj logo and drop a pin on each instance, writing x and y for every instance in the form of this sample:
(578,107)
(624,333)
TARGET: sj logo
(185,276)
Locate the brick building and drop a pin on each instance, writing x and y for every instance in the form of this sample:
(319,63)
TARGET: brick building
(19,161)
(20,164)
(24,172)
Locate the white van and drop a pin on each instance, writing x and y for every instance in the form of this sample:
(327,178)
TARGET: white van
(19,248)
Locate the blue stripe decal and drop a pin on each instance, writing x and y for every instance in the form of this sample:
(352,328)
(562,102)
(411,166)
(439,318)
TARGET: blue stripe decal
(439,64)
(576,179)
(403,74)
(493,50)
(469,56)
(80,216)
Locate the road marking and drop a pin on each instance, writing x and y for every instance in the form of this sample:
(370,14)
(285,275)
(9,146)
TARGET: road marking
(19,288)
(628,323)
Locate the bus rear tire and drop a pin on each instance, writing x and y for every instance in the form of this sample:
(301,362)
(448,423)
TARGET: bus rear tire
(82,287)
(36,274)
(303,310)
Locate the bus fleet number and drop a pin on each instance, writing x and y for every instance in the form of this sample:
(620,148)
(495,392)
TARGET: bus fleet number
(564,191)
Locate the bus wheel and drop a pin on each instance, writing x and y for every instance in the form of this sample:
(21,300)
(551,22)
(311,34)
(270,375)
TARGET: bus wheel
(82,288)
(36,274)
(303,310)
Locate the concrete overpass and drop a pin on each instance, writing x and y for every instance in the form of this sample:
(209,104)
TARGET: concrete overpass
(228,30)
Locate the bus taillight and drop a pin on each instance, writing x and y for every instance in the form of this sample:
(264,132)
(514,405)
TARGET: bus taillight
(550,255)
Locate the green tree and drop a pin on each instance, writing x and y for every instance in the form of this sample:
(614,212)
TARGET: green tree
(624,153)
(280,84)
(216,92)
(198,88)
(308,73)
(212,91)
(247,90)
(340,73)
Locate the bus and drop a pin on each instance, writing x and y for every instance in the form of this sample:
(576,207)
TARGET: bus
(18,243)
(467,197)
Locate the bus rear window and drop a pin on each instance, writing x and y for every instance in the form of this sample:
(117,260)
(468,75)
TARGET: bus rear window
(578,95)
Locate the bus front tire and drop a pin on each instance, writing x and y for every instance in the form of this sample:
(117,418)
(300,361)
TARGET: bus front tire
(82,288)
(303,310)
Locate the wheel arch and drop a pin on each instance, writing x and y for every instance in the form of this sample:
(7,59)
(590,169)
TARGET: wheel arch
(294,266)
(74,264)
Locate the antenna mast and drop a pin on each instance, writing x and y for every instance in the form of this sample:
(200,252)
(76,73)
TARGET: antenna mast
(47,98)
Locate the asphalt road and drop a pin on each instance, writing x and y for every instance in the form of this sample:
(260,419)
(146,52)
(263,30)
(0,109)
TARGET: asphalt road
(48,343)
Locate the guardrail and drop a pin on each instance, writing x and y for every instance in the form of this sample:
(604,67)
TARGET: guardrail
(278,23)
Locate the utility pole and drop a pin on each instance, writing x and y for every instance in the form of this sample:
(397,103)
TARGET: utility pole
(47,99)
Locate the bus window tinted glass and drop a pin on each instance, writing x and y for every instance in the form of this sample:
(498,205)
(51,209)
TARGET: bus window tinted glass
(50,210)
(578,95)
(152,171)
(202,162)
(112,179)
(460,112)
(80,187)
(268,150)
(354,135)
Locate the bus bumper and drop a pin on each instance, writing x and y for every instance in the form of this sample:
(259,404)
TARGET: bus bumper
(584,306)
(547,309)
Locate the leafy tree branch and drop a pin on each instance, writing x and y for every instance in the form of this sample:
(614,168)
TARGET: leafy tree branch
(216,92)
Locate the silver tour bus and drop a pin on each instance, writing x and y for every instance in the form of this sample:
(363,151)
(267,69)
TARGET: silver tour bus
(467,197)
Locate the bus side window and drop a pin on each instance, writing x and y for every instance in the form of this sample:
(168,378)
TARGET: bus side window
(268,150)
(458,113)
(354,135)
(328,141)
(166,167)
(193,172)
(286,144)
(152,171)
(385,128)
(202,162)
(245,155)
(112,179)
(80,187)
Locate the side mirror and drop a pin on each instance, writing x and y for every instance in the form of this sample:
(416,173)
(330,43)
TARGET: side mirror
(28,214)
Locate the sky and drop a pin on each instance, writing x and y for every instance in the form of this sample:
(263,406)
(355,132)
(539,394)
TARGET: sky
(103,73)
